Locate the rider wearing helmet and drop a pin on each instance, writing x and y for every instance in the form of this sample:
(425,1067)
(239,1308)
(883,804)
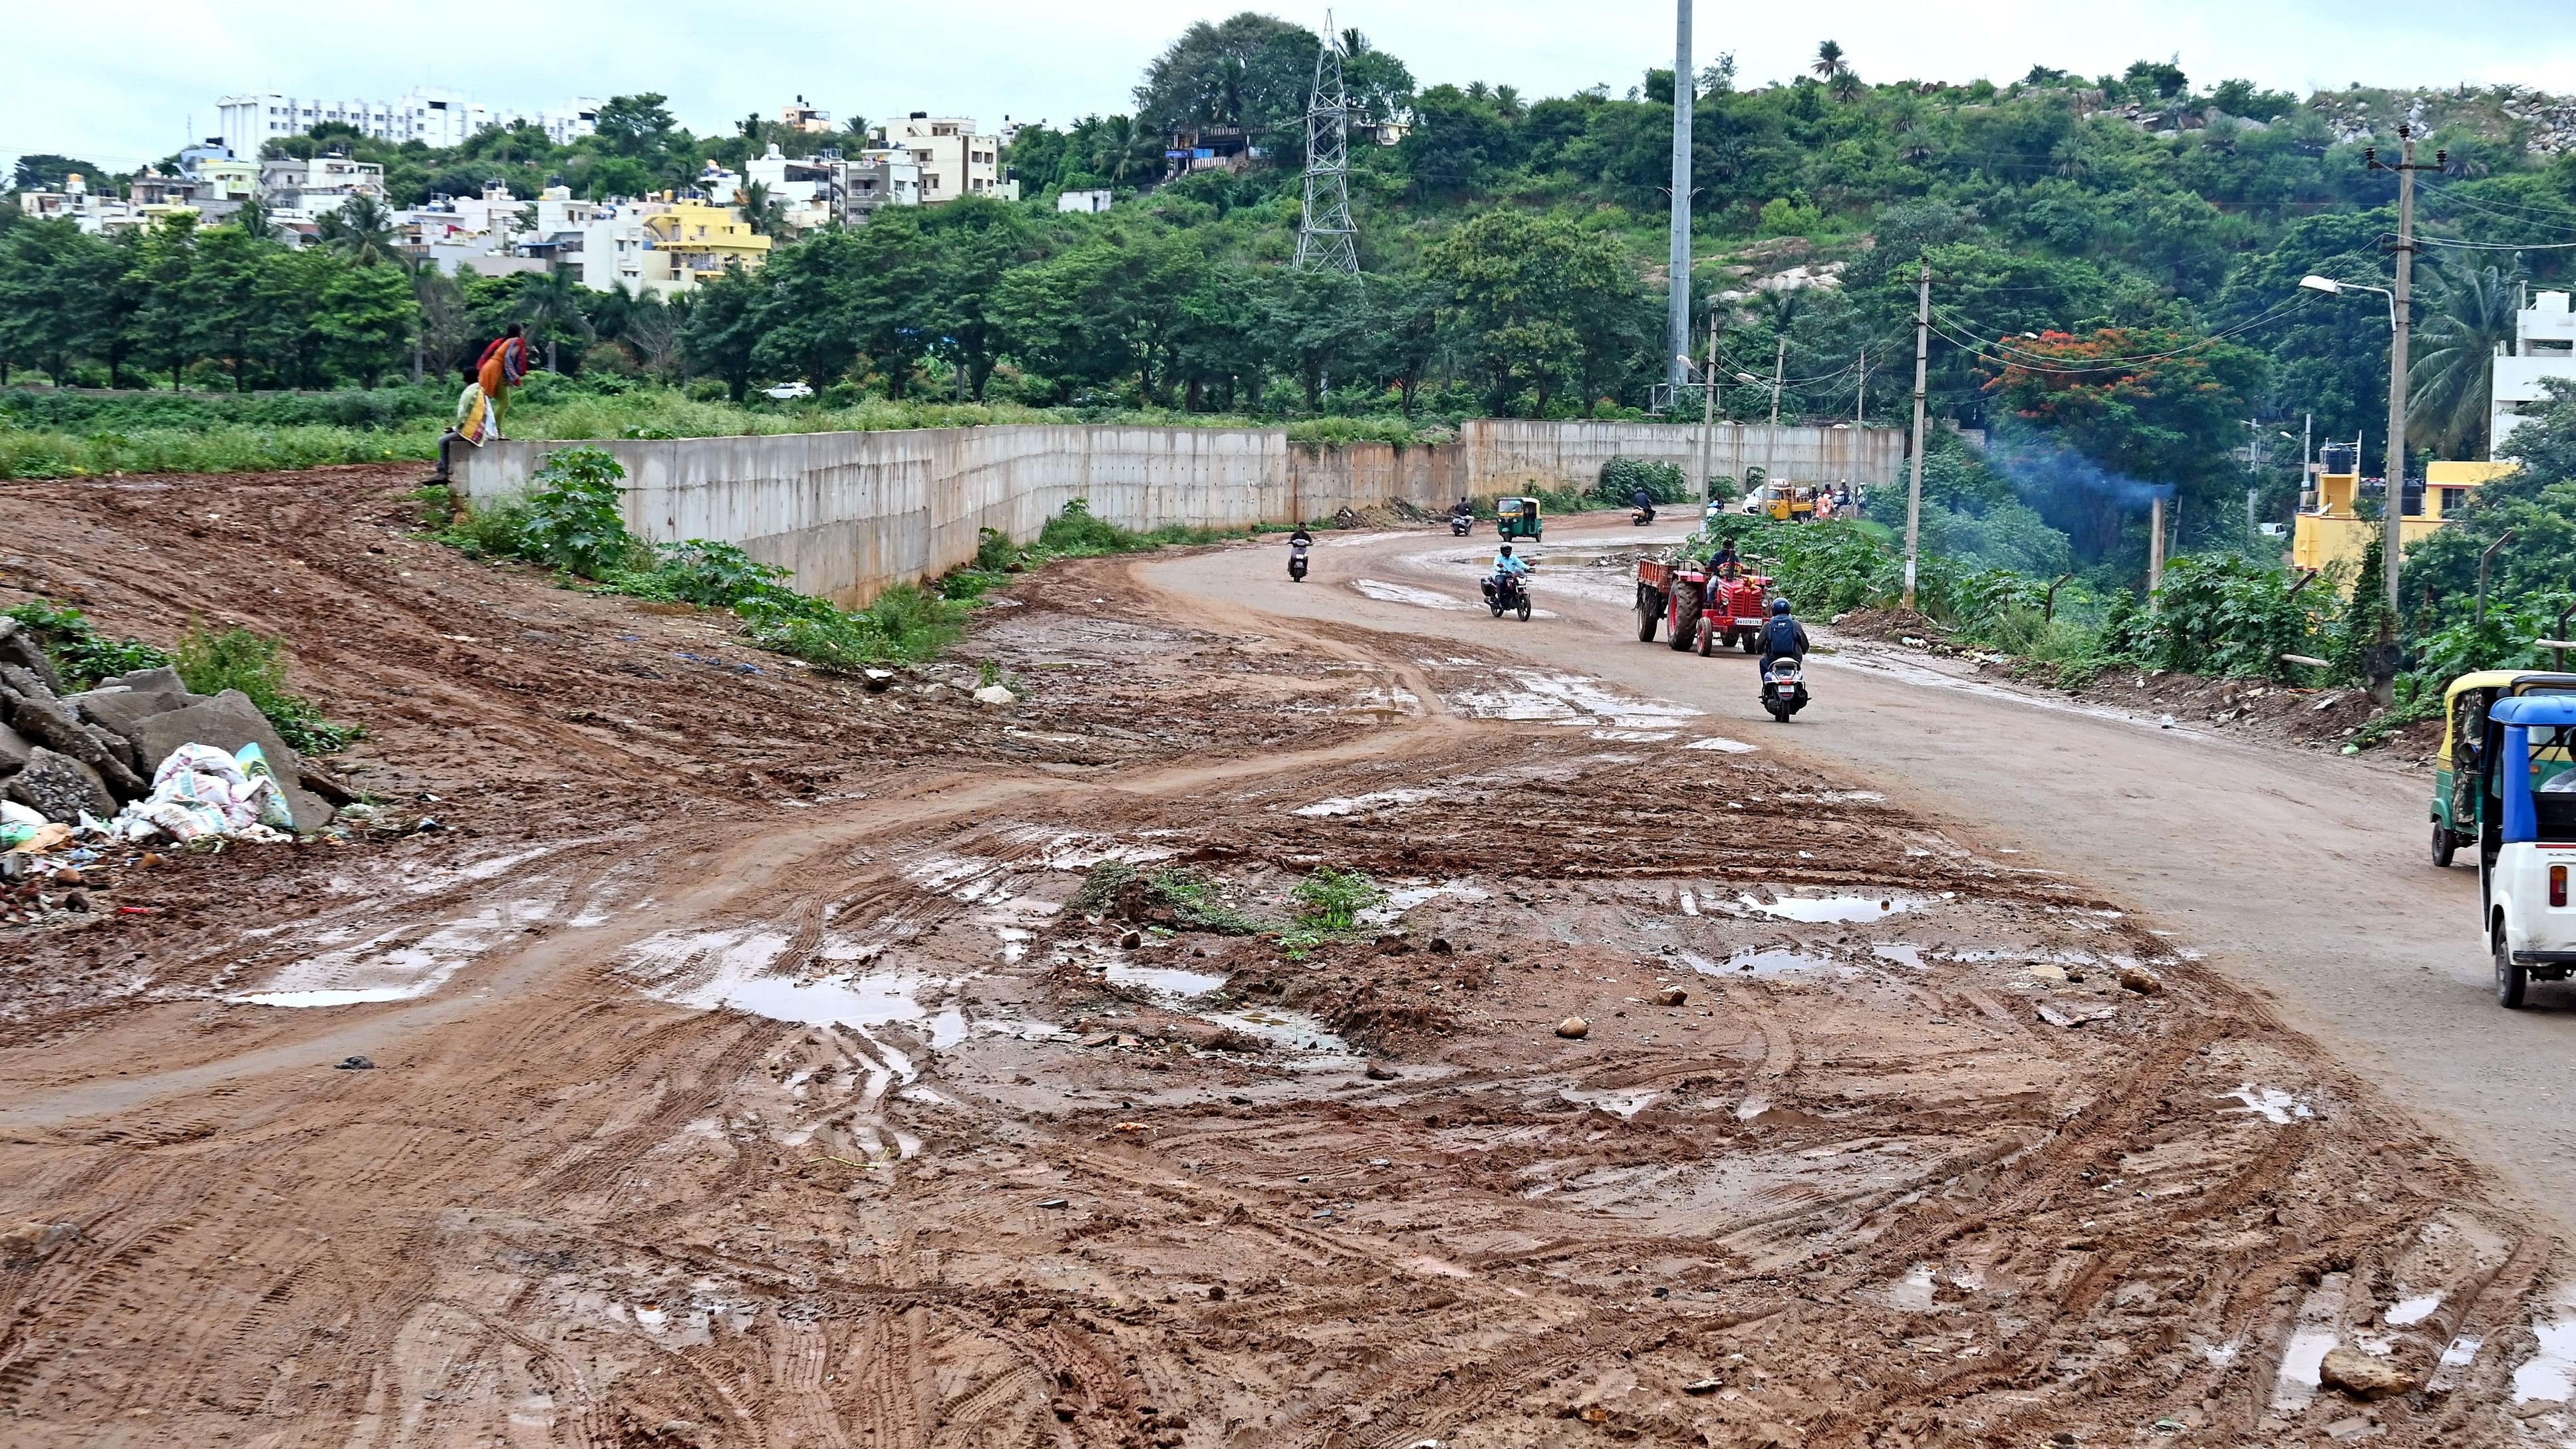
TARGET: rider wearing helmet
(1506,566)
(1784,637)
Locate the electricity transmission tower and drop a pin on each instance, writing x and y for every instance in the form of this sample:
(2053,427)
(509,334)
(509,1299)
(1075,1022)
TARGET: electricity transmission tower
(1326,237)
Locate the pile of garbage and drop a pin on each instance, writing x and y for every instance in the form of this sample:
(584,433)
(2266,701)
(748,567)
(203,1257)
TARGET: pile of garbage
(139,758)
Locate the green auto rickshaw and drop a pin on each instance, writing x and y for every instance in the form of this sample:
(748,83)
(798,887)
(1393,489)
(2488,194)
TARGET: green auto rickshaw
(1516,517)
(2465,702)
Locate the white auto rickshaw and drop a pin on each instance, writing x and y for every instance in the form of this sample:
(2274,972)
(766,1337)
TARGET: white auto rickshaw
(2527,841)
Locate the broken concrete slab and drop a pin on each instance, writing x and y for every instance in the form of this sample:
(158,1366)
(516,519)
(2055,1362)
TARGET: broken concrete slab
(119,708)
(160,679)
(19,649)
(229,721)
(59,788)
(18,680)
(52,724)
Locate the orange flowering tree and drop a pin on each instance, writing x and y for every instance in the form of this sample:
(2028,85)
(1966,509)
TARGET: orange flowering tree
(2150,407)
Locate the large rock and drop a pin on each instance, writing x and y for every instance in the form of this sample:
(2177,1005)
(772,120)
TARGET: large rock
(117,709)
(20,681)
(51,723)
(2364,1376)
(160,679)
(59,787)
(229,721)
(14,749)
(19,647)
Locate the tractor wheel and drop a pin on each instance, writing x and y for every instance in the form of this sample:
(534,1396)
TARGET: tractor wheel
(1750,641)
(1685,607)
(1707,638)
(1650,612)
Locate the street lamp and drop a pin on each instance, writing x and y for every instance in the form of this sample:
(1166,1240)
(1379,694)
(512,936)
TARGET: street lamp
(2333,288)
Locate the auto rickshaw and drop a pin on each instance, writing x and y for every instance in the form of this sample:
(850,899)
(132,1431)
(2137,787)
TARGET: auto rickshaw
(1517,517)
(2457,805)
(1784,501)
(2527,841)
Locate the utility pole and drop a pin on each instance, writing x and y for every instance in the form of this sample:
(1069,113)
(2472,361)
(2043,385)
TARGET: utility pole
(1914,488)
(1708,416)
(1326,236)
(2155,548)
(1677,302)
(1779,368)
(2401,321)
(1860,394)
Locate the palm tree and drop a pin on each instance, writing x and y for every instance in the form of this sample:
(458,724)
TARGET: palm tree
(1829,60)
(255,221)
(361,230)
(2448,379)
(1354,43)
(765,214)
(1846,86)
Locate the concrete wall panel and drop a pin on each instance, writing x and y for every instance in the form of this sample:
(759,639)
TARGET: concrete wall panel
(852,514)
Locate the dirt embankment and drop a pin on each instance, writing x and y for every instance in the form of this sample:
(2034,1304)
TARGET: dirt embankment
(742,1076)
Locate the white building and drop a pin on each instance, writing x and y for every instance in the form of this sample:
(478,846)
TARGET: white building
(2544,348)
(823,188)
(955,158)
(431,117)
(302,190)
(1084,200)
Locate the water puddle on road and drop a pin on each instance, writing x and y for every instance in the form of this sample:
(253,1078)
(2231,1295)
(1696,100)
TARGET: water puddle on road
(2550,1373)
(2269,1103)
(1760,964)
(2295,1386)
(1169,981)
(1833,910)
(1386,593)
(357,997)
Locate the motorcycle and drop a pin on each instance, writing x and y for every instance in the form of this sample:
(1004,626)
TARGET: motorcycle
(1508,593)
(1642,516)
(1784,688)
(1461,524)
(1297,562)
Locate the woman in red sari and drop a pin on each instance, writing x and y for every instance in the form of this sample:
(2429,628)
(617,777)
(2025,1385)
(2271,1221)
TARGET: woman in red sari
(504,366)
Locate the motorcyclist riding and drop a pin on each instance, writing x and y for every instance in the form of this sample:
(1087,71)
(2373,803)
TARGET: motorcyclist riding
(1462,518)
(1506,566)
(1784,637)
(1298,543)
(1644,503)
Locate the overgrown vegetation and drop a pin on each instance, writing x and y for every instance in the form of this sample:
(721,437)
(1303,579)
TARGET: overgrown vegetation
(1622,476)
(574,522)
(1169,896)
(208,662)
(80,654)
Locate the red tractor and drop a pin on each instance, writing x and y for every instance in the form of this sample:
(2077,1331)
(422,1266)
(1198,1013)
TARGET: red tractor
(1699,612)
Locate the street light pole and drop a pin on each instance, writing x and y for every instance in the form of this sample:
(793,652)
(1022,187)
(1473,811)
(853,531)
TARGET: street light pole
(1708,417)
(1677,302)
(1779,369)
(2401,321)
(1914,488)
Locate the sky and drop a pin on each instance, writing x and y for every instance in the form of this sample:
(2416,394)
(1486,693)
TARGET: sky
(74,90)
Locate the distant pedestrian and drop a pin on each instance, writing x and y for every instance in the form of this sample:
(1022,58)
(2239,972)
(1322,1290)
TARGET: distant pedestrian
(504,366)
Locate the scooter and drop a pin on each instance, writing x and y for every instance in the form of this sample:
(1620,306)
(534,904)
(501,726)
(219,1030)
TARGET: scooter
(1784,688)
(1642,516)
(1461,524)
(1297,560)
(1508,593)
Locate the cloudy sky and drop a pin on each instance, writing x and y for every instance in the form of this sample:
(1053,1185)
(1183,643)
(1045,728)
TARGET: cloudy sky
(117,82)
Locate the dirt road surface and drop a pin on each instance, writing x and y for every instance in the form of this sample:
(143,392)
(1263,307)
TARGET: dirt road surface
(2304,876)
(755,1059)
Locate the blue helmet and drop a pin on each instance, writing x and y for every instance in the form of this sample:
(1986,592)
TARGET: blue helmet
(1779,606)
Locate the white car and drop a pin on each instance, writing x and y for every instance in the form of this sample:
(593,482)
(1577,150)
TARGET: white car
(788,391)
(2525,854)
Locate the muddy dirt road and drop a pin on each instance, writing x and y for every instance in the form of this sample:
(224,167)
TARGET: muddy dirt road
(2303,875)
(1178,1057)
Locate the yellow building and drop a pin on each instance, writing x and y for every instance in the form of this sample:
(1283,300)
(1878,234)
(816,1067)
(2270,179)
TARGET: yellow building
(692,241)
(2333,531)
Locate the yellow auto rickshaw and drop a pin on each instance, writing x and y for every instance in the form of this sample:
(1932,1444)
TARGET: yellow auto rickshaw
(2457,799)
(1517,518)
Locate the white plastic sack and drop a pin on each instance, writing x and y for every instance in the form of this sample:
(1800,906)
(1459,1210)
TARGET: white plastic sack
(202,793)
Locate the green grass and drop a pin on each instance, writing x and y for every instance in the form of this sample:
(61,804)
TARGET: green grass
(1193,901)
(210,663)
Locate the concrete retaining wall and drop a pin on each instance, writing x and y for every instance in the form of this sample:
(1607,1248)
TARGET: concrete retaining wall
(855,513)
